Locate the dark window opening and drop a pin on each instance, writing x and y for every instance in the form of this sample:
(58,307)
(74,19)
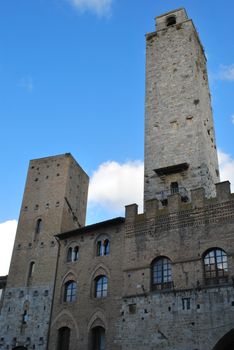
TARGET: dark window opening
(215,266)
(38,226)
(25,317)
(98,338)
(31,269)
(132,308)
(171,20)
(63,338)
(174,187)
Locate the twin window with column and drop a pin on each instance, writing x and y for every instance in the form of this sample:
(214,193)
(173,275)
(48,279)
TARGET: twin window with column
(73,254)
(103,247)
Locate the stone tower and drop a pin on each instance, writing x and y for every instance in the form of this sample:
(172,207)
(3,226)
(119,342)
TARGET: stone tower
(54,201)
(180,148)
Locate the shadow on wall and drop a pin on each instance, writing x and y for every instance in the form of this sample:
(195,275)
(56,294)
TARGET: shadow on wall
(226,342)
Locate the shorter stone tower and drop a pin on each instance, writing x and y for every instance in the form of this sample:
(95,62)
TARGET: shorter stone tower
(180,148)
(54,201)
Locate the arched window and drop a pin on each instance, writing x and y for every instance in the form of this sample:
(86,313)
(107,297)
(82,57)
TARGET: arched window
(30,272)
(63,338)
(101,284)
(161,273)
(98,338)
(103,247)
(38,226)
(69,254)
(70,291)
(215,266)
(73,254)
(106,246)
(31,269)
(171,20)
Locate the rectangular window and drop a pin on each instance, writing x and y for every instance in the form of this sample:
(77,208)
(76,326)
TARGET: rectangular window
(186,303)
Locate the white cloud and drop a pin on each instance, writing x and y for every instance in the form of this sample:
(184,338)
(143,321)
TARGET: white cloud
(98,7)
(226,164)
(7,236)
(26,83)
(226,72)
(114,185)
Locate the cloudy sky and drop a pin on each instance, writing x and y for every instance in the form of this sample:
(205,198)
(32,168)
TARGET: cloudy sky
(72,80)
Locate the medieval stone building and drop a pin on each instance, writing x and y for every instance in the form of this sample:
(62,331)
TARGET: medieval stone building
(163,279)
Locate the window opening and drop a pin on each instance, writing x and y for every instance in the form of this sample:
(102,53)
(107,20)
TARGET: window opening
(25,317)
(70,291)
(98,335)
(63,341)
(69,254)
(38,226)
(106,245)
(161,273)
(174,187)
(75,254)
(31,269)
(171,20)
(103,247)
(186,303)
(101,284)
(216,266)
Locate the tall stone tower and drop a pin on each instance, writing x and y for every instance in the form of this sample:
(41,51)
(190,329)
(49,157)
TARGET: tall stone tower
(54,201)
(180,148)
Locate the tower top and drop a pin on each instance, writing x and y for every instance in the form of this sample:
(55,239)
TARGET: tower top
(171,18)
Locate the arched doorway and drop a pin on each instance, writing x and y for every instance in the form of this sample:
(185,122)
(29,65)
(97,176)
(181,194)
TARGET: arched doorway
(226,342)
(63,338)
(98,338)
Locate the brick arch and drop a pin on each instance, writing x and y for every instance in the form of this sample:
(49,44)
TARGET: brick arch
(70,275)
(226,342)
(99,270)
(97,319)
(65,319)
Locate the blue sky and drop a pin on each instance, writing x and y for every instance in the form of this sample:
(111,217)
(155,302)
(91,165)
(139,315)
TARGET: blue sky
(72,80)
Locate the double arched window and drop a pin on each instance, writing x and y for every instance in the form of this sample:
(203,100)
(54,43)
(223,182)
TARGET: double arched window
(103,247)
(161,275)
(73,254)
(100,286)
(70,291)
(215,266)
